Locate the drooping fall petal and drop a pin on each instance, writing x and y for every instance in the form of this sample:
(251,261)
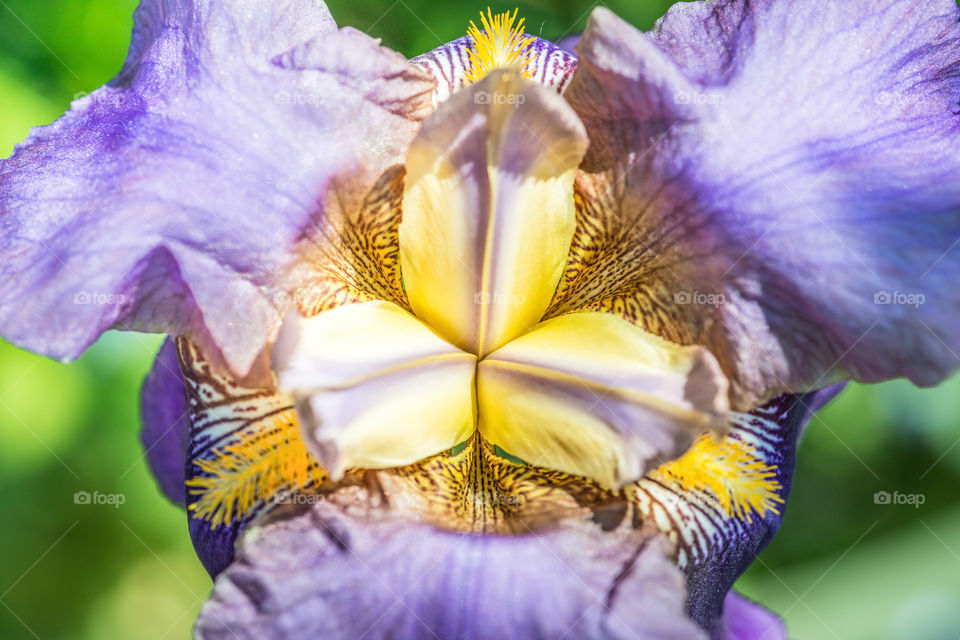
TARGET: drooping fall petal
(325,574)
(171,200)
(166,422)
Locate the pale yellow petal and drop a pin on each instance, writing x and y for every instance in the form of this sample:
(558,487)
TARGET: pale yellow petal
(374,387)
(488,210)
(593,395)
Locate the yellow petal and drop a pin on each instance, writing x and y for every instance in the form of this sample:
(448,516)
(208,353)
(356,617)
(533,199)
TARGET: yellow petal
(488,210)
(374,387)
(593,395)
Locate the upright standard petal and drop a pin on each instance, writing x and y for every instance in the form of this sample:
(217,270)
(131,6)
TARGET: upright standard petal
(374,386)
(778,181)
(590,394)
(172,199)
(488,210)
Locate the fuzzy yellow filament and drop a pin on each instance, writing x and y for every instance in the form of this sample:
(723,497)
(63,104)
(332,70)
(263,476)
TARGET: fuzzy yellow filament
(500,45)
(731,471)
(257,466)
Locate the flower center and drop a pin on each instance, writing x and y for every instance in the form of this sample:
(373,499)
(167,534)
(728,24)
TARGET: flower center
(481,228)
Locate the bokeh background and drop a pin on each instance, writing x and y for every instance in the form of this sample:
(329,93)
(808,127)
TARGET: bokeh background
(842,566)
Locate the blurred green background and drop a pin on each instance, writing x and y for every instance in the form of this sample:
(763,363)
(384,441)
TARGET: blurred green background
(842,566)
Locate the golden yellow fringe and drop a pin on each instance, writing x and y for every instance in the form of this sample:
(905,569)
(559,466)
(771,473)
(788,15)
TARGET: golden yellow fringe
(261,462)
(499,46)
(265,460)
(742,482)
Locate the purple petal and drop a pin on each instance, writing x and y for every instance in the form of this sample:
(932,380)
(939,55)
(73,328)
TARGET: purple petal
(794,165)
(164,411)
(214,547)
(322,574)
(822,397)
(173,199)
(715,548)
(746,620)
(569,43)
(818,400)
(167,436)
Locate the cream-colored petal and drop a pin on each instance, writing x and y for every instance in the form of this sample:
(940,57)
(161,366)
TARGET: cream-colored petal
(488,210)
(374,387)
(593,395)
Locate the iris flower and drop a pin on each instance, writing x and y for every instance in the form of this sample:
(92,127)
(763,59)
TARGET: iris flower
(503,340)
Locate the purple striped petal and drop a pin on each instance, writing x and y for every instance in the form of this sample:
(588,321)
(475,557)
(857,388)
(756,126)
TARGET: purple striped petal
(222,413)
(773,431)
(550,65)
(322,574)
(214,547)
(172,200)
(714,547)
(788,174)
(166,422)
